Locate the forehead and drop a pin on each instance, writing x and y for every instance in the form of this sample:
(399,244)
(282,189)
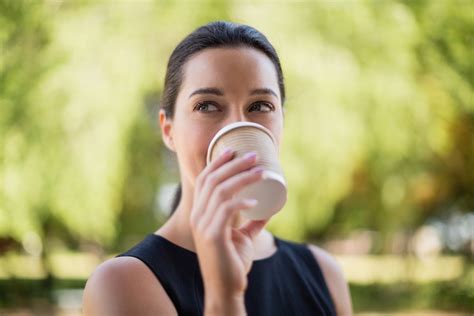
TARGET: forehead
(231,67)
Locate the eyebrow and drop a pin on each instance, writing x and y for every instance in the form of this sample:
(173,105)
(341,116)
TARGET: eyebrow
(219,92)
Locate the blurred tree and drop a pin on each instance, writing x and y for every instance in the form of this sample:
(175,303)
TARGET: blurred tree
(27,126)
(380,113)
(80,159)
(378,128)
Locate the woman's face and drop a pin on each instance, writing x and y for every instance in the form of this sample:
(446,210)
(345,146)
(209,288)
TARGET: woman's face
(221,86)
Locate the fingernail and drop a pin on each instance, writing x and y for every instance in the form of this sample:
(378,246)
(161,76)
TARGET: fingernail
(250,155)
(251,202)
(227,151)
(257,170)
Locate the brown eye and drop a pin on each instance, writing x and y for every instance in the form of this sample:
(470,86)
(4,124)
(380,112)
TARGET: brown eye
(204,107)
(258,105)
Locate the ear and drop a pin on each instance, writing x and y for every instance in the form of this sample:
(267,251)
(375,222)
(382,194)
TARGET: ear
(166,125)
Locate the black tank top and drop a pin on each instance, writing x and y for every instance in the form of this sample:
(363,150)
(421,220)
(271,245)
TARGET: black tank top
(289,282)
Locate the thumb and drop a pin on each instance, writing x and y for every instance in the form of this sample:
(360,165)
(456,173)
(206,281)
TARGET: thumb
(251,228)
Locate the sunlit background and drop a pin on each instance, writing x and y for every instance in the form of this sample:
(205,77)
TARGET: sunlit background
(378,145)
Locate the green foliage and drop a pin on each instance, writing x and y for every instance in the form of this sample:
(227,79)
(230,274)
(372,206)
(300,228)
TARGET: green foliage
(403,297)
(378,131)
(378,128)
(26,124)
(380,116)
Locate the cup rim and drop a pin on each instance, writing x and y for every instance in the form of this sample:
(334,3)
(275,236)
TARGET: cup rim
(232,126)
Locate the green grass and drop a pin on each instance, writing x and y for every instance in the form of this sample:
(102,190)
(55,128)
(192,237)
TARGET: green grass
(446,296)
(33,292)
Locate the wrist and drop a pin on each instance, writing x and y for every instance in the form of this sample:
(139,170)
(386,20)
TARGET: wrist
(216,305)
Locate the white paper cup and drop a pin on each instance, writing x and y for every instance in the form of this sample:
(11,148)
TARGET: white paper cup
(243,137)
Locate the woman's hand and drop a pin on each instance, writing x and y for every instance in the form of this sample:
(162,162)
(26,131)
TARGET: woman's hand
(225,253)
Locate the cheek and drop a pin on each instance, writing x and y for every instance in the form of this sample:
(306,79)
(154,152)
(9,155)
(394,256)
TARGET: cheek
(193,149)
(276,127)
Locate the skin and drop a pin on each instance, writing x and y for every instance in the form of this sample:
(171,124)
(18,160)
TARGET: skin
(207,219)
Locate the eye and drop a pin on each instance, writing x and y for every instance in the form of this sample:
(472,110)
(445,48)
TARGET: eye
(259,104)
(204,105)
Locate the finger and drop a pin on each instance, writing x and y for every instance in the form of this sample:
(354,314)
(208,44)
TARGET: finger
(226,155)
(200,199)
(222,173)
(228,189)
(227,170)
(232,186)
(219,161)
(251,228)
(235,166)
(226,211)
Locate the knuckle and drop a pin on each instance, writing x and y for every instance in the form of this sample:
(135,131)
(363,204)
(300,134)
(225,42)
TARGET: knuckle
(223,190)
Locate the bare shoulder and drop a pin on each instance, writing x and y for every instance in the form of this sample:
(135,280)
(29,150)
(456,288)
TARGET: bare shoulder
(125,286)
(335,280)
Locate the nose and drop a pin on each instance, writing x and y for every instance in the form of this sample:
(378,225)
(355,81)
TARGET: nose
(236,116)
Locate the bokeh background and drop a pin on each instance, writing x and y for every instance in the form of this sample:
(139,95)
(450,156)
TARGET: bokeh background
(378,144)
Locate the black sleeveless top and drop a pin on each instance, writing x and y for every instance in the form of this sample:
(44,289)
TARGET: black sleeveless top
(289,282)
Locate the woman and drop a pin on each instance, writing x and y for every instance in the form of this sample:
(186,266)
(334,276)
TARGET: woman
(206,259)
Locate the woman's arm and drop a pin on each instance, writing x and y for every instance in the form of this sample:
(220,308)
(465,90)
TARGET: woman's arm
(125,286)
(335,280)
(225,253)
(224,306)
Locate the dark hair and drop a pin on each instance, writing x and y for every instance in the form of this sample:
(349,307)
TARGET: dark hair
(212,35)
